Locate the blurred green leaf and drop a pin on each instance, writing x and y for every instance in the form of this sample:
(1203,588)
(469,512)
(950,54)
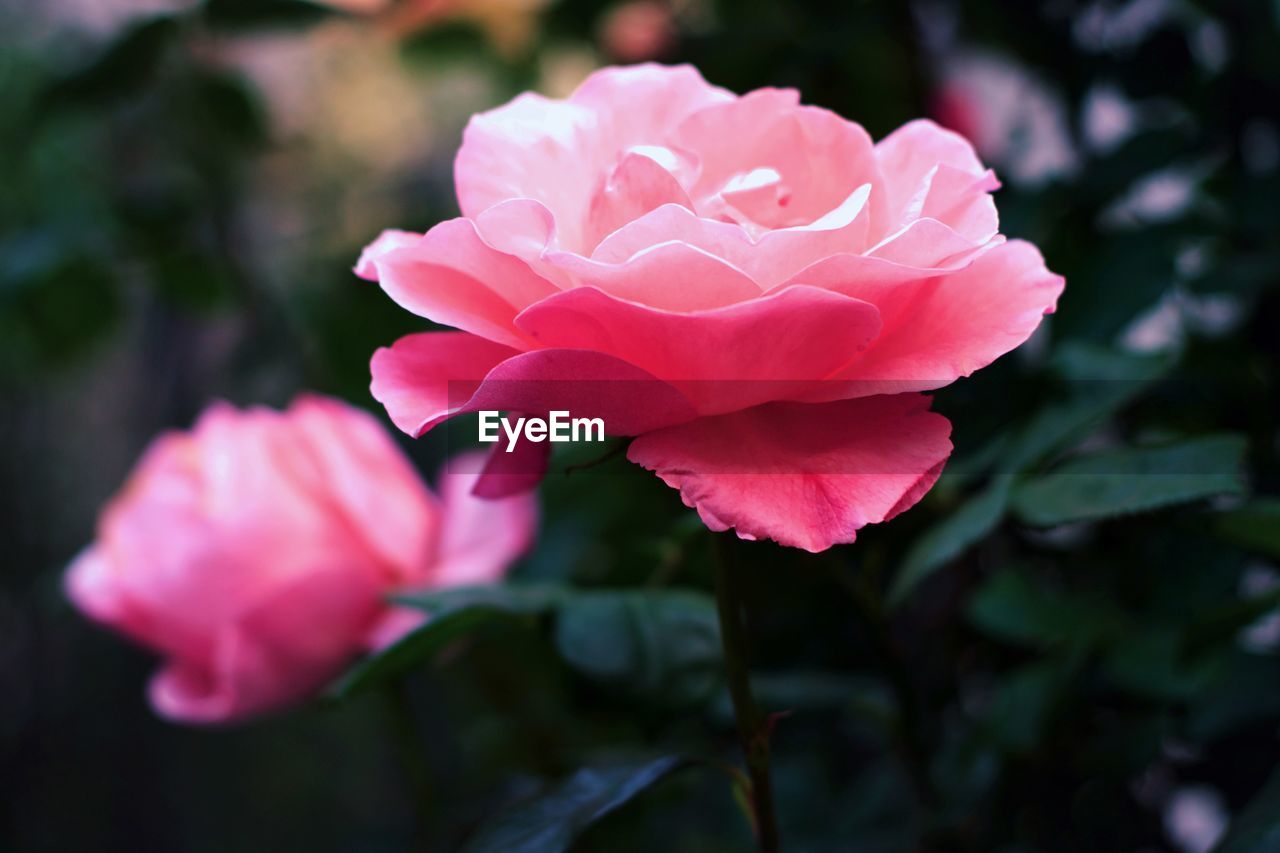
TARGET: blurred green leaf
(867,699)
(660,644)
(951,537)
(1010,606)
(1246,691)
(508,598)
(1150,661)
(57,313)
(1257,828)
(221,103)
(549,823)
(414,648)
(1022,704)
(1221,624)
(1254,526)
(124,66)
(245,14)
(455,613)
(1133,480)
(1098,381)
(663,645)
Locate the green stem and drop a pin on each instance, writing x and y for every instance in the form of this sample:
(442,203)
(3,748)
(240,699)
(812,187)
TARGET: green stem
(753,726)
(411,750)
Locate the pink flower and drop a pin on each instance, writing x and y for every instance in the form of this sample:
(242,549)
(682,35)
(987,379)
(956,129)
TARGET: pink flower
(751,287)
(255,553)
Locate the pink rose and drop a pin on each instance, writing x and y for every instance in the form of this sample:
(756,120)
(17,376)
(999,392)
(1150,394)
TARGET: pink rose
(751,287)
(255,553)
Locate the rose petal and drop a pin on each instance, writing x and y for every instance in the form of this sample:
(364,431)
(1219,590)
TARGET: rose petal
(453,277)
(927,244)
(426,378)
(526,229)
(370,482)
(776,256)
(637,185)
(420,381)
(670,276)
(940,329)
(722,359)
(541,149)
(513,472)
(483,537)
(387,241)
(907,158)
(815,159)
(273,656)
(806,476)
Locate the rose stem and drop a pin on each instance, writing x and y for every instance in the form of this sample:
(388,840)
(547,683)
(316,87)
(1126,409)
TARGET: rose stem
(753,727)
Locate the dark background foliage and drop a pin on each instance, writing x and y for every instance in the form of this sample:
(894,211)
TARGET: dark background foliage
(1026,661)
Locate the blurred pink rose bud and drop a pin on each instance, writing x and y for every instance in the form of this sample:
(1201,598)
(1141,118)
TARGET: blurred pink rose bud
(638,30)
(256,551)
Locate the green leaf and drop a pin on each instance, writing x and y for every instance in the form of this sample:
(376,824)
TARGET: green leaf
(1254,527)
(660,644)
(549,823)
(947,540)
(1257,828)
(1133,480)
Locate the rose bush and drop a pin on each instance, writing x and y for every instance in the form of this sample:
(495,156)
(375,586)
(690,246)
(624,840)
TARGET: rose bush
(255,553)
(751,287)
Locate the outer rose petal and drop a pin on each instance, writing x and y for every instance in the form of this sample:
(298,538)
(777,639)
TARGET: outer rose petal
(453,277)
(723,359)
(419,380)
(806,476)
(938,330)
(387,241)
(92,589)
(423,379)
